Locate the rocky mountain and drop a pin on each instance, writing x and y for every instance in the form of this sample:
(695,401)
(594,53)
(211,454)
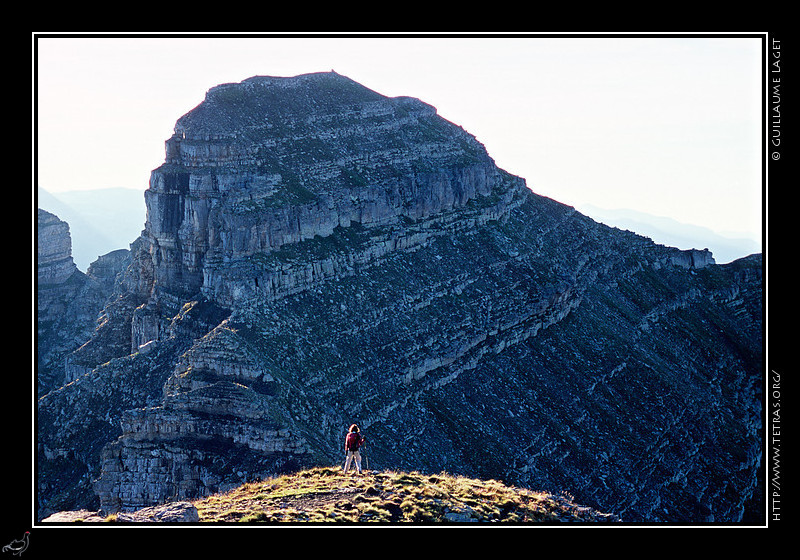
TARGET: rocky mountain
(317,254)
(69,301)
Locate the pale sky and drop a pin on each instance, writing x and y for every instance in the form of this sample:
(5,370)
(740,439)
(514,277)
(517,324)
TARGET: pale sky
(669,126)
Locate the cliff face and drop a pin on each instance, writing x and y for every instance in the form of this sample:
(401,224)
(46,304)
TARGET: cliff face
(68,301)
(316,254)
(271,162)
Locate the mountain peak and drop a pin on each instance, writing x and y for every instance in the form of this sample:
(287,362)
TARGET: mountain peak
(262,104)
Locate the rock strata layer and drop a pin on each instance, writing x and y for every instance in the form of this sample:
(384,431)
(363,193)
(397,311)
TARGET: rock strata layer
(317,254)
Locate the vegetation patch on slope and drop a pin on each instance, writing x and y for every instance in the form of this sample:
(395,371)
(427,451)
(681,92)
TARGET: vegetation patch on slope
(326,495)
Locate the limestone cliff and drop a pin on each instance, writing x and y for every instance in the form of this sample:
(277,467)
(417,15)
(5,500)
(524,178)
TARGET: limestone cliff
(68,301)
(317,254)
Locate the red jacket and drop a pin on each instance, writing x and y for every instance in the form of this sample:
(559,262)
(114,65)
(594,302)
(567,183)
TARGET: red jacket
(353,441)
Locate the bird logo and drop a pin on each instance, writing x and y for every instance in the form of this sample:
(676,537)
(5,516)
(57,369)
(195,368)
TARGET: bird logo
(18,546)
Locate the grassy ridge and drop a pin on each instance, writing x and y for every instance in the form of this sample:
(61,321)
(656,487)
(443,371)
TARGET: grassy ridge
(325,495)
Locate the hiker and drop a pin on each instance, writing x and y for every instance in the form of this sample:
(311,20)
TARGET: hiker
(352,443)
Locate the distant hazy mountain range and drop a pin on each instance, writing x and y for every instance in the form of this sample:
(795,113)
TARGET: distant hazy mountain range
(99,221)
(667,231)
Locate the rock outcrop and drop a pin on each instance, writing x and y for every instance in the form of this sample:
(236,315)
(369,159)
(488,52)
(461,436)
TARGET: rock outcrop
(317,254)
(173,512)
(68,301)
(53,250)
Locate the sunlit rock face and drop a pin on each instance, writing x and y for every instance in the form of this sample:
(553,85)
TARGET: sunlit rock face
(317,254)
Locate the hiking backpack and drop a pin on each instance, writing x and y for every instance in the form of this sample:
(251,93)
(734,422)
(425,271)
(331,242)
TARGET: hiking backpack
(353,441)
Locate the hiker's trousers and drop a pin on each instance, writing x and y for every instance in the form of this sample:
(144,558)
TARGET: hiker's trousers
(353,456)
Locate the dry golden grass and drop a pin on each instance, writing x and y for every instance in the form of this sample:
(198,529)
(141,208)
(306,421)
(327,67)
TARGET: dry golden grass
(325,495)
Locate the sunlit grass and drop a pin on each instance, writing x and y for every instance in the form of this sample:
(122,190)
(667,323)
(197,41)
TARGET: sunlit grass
(325,495)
